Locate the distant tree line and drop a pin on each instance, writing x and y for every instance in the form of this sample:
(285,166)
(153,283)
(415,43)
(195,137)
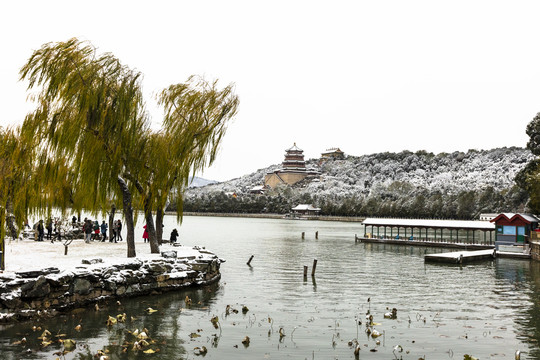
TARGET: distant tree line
(463,205)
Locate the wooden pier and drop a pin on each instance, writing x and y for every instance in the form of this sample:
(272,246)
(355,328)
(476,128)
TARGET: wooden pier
(471,252)
(460,257)
(439,244)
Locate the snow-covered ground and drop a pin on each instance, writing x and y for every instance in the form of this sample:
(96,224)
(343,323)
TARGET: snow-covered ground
(25,255)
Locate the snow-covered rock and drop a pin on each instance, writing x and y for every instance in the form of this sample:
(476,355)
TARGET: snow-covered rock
(26,293)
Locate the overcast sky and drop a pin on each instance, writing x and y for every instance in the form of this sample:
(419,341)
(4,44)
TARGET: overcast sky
(365,76)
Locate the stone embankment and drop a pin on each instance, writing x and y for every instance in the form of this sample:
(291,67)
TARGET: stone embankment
(27,294)
(277,216)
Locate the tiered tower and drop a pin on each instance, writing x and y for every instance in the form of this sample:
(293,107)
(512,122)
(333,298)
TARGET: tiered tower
(294,159)
(293,169)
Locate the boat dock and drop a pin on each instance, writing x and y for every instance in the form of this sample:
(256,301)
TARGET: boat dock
(460,257)
(438,244)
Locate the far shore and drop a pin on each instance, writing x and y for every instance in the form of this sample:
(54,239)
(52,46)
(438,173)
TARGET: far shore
(274,216)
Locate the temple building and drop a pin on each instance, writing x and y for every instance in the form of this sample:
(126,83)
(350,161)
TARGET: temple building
(333,154)
(306,209)
(293,169)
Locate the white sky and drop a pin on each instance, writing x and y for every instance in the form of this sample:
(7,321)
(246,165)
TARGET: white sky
(365,76)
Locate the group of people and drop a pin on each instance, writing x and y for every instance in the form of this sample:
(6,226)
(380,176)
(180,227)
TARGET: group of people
(92,230)
(52,227)
(117,231)
(173,238)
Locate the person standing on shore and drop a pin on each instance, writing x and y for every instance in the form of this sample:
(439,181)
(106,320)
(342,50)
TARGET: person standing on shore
(87,230)
(49,229)
(58,232)
(114,231)
(119,232)
(95,228)
(174,236)
(145,234)
(104,228)
(41,230)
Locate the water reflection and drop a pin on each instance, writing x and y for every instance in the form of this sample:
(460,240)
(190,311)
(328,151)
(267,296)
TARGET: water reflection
(164,327)
(519,282)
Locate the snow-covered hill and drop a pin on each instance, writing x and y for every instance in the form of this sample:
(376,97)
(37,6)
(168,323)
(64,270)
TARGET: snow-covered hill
(196,181)
(385,184)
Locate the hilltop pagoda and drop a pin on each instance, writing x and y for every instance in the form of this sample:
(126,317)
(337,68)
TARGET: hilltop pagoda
(293,169)
(294,159)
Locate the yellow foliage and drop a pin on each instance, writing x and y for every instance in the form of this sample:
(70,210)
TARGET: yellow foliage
(111,321)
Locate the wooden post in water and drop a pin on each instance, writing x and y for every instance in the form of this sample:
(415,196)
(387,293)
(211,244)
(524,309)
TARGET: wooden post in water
(316,234)
(314,267)
(249,261)
(355,238)
(303,235)
(305,271)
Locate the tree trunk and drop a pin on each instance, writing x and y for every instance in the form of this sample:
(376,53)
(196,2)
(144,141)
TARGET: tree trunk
(2,240)
(159,225)
(128,215)
(147,196)
(111,221)
(10,219)
(154,246)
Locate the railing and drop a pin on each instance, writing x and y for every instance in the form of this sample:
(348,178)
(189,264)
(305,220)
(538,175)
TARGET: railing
(445,240)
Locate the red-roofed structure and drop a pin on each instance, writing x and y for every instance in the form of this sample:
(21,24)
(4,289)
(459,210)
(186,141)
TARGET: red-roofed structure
(514,229)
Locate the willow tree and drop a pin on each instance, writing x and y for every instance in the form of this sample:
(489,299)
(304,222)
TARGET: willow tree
(17,186)
(89,111)
(196,117)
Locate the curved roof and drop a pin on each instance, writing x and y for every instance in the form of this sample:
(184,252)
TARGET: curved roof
(426,223)
(305,207)
(513,216)
(294,148)
(332,151)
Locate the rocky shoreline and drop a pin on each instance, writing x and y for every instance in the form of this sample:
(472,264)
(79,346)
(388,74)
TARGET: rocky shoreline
(25,295)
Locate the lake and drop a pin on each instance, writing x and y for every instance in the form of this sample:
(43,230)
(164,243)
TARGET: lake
(488,309)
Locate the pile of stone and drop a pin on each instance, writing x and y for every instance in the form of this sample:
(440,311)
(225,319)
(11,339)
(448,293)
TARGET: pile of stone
(44,292)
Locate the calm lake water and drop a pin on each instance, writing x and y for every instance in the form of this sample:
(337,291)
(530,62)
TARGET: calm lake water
(488,310)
